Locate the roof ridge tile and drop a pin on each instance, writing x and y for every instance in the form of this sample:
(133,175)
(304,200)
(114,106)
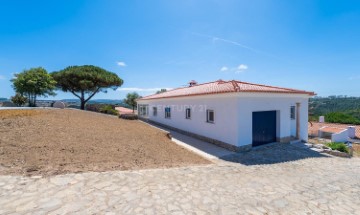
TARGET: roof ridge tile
(220,86)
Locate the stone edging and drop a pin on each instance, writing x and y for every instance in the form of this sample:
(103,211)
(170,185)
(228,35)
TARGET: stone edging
(328,150)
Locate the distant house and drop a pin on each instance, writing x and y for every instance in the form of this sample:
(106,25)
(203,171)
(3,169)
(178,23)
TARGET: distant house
(123,110)
(232,114)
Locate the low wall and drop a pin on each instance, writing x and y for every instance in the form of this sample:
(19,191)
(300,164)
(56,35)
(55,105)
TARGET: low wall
(340,137)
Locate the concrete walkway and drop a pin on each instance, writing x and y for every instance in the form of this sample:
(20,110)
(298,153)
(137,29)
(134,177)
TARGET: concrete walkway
(202,148)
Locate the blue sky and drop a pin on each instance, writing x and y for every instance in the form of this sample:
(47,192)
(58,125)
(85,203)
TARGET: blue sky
(306,44)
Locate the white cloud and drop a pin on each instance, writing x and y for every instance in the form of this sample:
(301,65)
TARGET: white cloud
(2,77)
(120,63)
(224,69)
(241,68)
(215,39)
(138,89)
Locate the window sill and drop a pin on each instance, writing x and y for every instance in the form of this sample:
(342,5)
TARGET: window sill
(210,122)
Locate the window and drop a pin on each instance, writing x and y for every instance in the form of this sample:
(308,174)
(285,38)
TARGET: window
(154,111)
(210,116)
(187,113)
(292,112)
(167,112)
(143,110)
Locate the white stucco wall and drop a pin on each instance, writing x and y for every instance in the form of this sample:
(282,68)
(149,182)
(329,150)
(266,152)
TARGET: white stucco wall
(281,103)
(340,137)
(224,127)
(233,114)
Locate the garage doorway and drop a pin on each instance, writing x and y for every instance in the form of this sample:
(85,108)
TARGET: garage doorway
(263,127)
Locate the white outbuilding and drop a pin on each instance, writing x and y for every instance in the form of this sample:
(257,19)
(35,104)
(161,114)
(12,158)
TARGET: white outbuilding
(232,114)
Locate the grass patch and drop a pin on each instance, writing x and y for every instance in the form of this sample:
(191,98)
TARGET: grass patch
(17,113)
(338,146)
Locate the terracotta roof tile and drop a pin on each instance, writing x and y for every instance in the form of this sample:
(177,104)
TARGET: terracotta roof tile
(220,86)
(314,127)
(123,110)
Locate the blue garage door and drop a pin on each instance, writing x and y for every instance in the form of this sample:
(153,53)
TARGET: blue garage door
(263,127)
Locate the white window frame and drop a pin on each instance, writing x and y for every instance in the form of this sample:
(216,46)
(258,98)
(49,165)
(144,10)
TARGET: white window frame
(187,113)
(208,116)
(143,110)
(293,112)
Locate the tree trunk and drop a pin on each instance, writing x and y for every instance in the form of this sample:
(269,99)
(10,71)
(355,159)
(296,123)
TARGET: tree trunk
(31,99)
(82,107)
(133,109)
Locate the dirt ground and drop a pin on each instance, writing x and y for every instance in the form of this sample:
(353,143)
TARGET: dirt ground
(49,142)
(356,147)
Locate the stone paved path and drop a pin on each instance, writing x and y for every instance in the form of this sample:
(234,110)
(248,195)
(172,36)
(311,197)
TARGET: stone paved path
(314,185)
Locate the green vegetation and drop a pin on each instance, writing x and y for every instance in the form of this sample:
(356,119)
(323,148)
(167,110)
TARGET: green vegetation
(336,109)
(338,117)
(128,116)
(338,146)
(33,83)
(86,80)
(161,91)
(131,100)
(108,109)
(19,100)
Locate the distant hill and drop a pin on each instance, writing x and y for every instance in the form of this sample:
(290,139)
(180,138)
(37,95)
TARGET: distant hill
(3,99)
(76,102)
(107,101)
(337,109)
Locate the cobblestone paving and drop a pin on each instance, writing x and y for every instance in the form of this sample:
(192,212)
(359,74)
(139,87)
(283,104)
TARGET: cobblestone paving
(312,185)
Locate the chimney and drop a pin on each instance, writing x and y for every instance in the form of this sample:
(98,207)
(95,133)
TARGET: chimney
(220,81)
(192,83)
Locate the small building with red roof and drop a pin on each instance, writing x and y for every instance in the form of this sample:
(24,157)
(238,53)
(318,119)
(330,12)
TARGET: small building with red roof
(233,114)
(123,110)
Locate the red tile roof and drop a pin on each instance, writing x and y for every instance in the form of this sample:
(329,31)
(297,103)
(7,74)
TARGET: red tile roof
(220,86)
(123,110)
(314,127)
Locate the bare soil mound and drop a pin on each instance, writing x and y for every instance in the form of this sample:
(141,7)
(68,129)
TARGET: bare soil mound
(48,142)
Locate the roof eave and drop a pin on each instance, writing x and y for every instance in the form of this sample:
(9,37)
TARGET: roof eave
(199,94)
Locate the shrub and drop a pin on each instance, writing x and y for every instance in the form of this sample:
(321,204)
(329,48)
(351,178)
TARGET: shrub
(338,146)
(108,109)
(338,117)
(128,116)
(19,99)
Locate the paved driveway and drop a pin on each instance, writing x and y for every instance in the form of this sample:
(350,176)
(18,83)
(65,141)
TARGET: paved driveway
(306,183)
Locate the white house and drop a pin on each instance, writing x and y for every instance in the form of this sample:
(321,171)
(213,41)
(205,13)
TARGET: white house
(232,114)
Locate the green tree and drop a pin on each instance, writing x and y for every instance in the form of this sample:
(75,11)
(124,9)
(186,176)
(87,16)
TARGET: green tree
(131,100)
(338,117)
(19,99)
(85,81)
(33,83)
(161,91)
